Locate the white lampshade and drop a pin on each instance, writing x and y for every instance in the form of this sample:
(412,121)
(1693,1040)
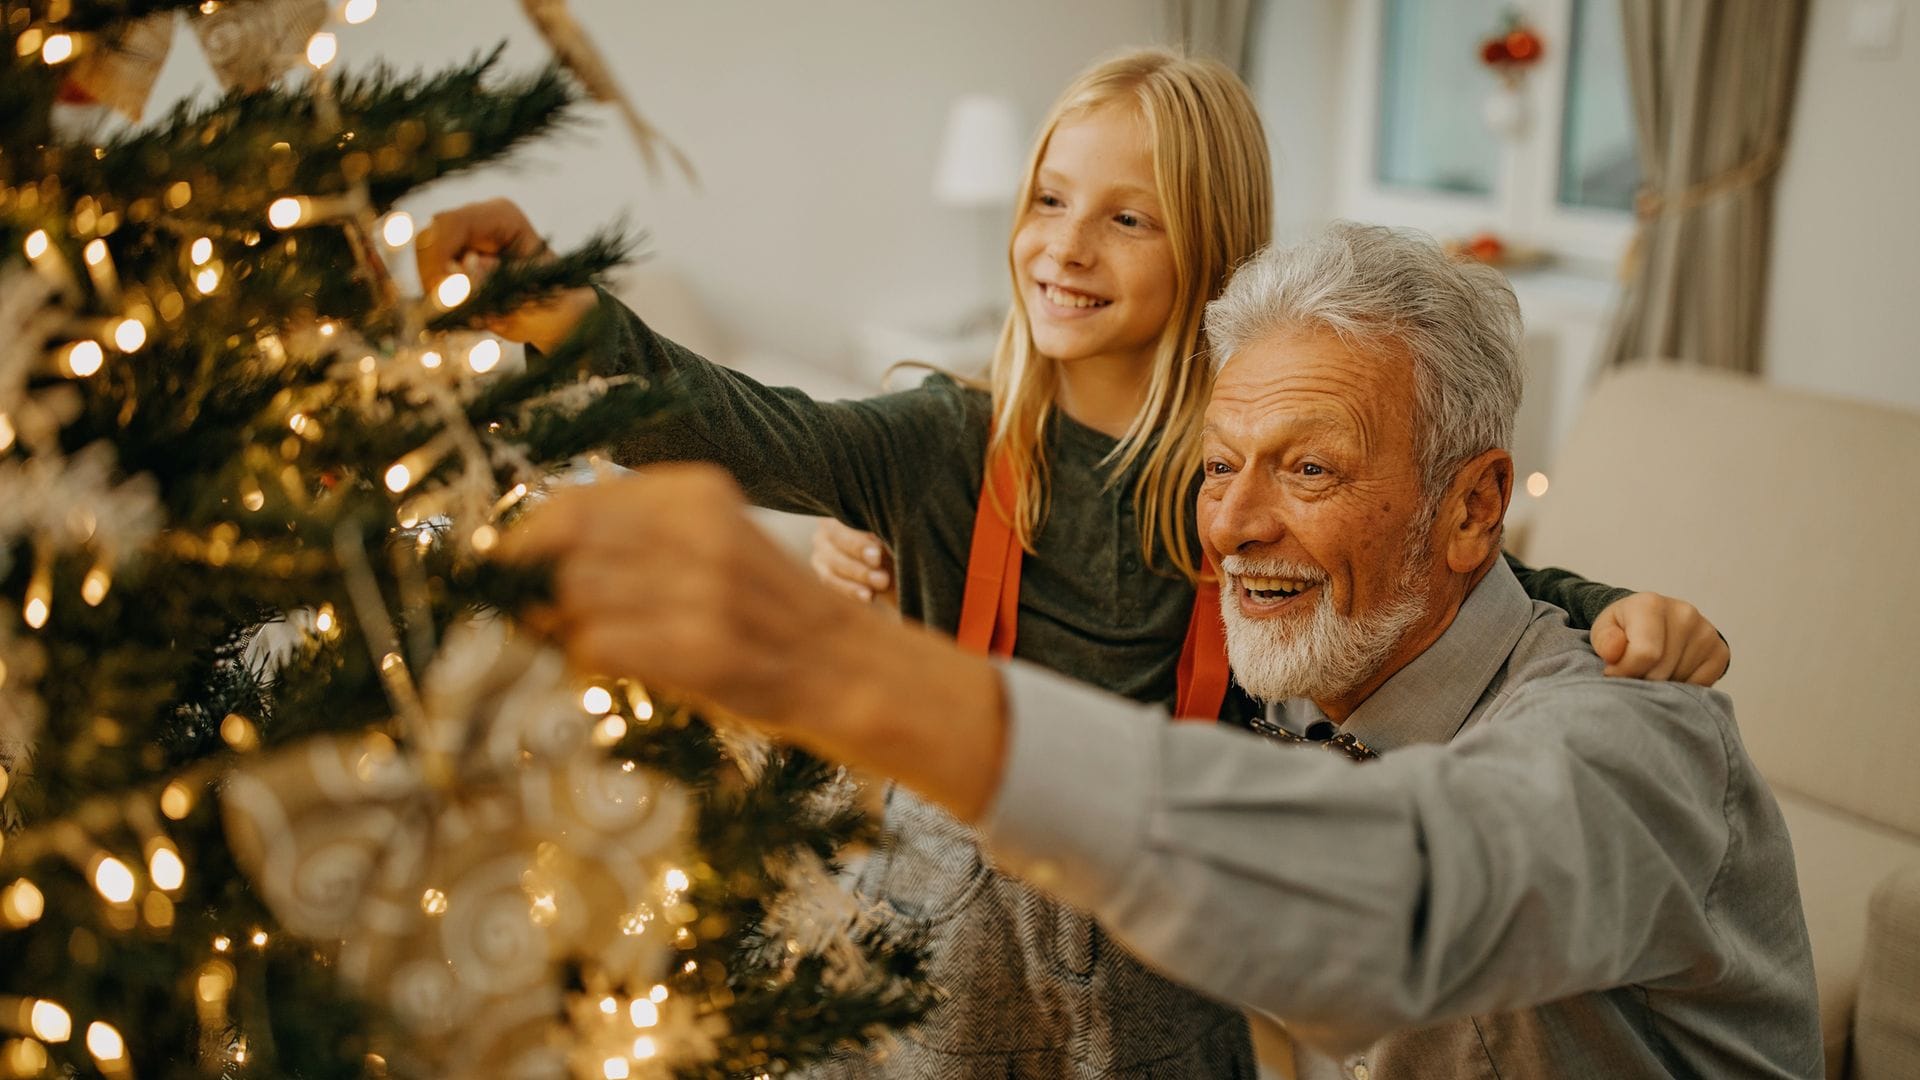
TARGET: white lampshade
(980,154)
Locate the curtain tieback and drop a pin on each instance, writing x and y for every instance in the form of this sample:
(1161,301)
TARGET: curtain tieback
(1650,205)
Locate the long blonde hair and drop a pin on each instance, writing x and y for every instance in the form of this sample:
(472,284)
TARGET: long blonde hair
(1210,165)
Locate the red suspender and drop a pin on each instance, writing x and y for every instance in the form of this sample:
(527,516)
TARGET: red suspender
(990,609)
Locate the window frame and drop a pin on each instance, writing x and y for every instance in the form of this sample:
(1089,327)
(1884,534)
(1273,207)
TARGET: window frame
(1524,209)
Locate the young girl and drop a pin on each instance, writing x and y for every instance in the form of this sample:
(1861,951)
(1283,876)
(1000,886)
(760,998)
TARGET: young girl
(1147,185)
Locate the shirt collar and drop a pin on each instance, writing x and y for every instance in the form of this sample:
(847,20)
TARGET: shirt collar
(1434,695)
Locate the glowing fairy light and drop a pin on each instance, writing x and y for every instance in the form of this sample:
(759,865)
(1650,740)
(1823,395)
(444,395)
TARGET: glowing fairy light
(321,49)
(7,434)
(598,700)
(129,335)
(609,1005)
(85,357)
(324,621)
(611,729)
(95,252)
(484,355)
(677,880)
(113,879)
(453,290)
(35,612)
(658,995)
(58,48)
(397,229)
(286,212)
(399,478)
(484,539)
(50,1022)
(259,939)
(176,801)
(166,869)
(238,732)
(221,943)
(24,1057)
(644,1013)
(433,902)
(358,11)
(207,280)
(38,244)
(431,359)
(22,904)
(616,1069)
(202,251)
(93,588)
(1537,484)
(644,1048)
(104,1043)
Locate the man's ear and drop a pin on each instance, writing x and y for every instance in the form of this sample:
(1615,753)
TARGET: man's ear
(1475,507)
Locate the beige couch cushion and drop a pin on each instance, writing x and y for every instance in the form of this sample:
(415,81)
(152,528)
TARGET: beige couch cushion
(1793,521)
(1887,1032)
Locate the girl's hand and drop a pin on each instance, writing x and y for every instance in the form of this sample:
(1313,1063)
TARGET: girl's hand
(472,239)
(1649,636)
(853,562)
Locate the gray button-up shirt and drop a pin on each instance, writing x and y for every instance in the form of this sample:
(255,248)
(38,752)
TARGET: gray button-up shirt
(1546,873)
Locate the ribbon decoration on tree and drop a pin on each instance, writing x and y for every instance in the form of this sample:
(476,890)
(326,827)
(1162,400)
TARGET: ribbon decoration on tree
(461,871)
(570,43)
(249,45)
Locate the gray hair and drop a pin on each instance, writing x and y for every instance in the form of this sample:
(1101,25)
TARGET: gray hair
(1393,291)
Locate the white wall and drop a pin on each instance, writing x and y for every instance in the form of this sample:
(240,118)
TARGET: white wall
(1295,72)
(814,126)
(1846,256)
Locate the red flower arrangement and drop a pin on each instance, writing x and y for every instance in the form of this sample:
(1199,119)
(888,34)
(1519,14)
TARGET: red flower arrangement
(1511,51)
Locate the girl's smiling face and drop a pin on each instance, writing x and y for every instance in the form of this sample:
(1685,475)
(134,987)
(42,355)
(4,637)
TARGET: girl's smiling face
(1091,257)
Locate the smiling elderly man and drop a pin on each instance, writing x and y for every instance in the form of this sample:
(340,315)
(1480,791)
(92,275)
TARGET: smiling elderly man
(1511,866)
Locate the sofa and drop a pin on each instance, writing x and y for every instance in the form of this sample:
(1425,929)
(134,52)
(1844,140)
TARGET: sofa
(1793,521)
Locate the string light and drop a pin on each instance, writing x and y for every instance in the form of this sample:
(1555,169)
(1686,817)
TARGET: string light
(358,11)
(113,880)
(207,280)
(430,359)
(129,335)
(453,290)
(95,252)
(84,358)
(93,589)
(484,538)
(50,1022)
(176,801)
(323,620)
(484,355)
(397,229)
(22,904)
(616,1069)
(658,995)
(165,867)
(7,434)
(221,943)
(1537,484)
(104,1043)
(677,880)
(433,902)
(202,251)
(399,478)
(597,700)
(611,729)
(24,1057)
(259,938)
(645,1013)
(58,48)
(644,1048)
(286,212)
(38,244)
(179,194)
(609,1005)
(321,49)
(238,732)
(39,597)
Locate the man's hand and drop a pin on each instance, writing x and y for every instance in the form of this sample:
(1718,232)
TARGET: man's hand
(853,563)
(472,240)
(1649,636)
(660,576)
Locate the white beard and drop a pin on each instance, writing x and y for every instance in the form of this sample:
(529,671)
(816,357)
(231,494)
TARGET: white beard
(1328,655)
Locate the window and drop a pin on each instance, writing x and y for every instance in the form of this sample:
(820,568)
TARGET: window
(1561,175)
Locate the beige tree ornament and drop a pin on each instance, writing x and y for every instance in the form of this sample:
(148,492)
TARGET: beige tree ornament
(574,49)
(460,872)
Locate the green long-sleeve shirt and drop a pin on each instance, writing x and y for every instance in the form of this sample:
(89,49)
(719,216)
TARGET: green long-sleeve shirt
(908,467)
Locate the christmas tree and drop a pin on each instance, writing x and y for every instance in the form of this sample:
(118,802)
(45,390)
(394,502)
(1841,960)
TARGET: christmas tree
(286,790)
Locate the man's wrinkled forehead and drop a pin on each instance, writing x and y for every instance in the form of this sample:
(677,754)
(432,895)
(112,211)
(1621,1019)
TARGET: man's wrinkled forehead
(1309,379)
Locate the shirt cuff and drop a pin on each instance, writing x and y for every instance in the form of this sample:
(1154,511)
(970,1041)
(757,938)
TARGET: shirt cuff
(1077,786)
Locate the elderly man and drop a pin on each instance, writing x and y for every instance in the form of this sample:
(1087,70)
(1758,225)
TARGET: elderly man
(1509,865)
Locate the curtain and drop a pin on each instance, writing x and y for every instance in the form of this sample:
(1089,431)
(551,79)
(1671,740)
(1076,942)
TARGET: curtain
(1712,84)
(1216,28)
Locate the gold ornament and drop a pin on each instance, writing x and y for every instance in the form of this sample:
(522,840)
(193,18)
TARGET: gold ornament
(460,870)
(250,45)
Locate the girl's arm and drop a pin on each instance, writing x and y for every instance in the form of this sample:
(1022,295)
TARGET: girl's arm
(861,461)
(1639,635)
